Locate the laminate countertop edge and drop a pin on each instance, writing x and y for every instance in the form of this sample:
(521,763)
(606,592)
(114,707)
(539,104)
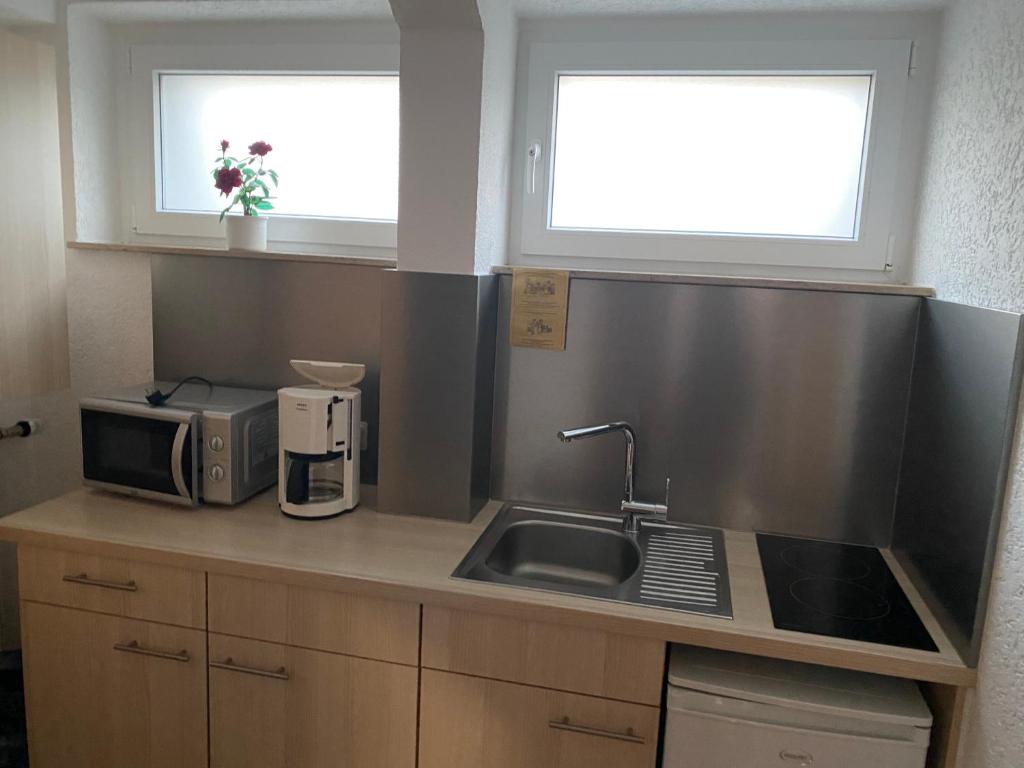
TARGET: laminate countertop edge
(410,558)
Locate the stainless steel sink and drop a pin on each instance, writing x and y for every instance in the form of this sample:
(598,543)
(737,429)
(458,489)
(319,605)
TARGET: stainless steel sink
(680,567)
(539,550)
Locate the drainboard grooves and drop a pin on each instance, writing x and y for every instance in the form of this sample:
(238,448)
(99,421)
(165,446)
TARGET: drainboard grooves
(681,570)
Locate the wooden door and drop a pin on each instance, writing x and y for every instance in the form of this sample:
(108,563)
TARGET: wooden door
(33,306)
(276,706)
(468,722)
(108,692)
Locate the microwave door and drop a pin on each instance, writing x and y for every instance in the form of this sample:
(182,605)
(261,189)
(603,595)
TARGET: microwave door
(144,451)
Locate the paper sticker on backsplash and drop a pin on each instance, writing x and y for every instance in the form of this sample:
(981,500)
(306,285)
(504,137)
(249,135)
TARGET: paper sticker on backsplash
(540,308)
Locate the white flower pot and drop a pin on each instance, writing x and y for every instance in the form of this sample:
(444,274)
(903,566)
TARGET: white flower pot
(247,233)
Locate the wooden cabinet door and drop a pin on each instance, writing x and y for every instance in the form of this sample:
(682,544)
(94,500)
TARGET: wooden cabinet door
(468,722)
(108,692)
(276,706)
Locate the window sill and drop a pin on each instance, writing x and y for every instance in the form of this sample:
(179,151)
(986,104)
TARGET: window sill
(742,282)
(185,250)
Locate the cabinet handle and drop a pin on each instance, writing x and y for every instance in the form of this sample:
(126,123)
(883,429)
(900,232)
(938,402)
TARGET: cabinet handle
(82,578)
(566,725)
(803,759)
(134,647)
(229,664)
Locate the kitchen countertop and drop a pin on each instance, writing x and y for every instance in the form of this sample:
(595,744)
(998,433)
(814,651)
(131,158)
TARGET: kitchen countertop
(410,558)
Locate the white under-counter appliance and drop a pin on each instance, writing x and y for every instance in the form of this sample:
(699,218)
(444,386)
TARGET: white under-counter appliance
(727,710)
(318,467)
(207,443)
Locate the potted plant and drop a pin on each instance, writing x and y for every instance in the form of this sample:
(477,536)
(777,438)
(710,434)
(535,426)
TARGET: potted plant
(249,230)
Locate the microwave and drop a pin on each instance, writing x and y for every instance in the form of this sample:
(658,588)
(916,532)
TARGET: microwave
(209,444)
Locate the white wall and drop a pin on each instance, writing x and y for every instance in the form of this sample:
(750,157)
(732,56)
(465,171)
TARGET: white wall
(440,86)
(28,11)
(93,129)
(458,80)
(970,246)
(501,32)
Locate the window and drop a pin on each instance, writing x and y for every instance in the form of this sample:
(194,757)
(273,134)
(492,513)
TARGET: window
(335,140)
(330,112)
(759,153)
(744,155)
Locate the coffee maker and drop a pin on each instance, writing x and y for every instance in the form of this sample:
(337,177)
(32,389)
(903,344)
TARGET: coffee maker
(318,462)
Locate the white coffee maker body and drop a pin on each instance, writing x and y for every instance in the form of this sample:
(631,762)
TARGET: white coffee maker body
(318,463)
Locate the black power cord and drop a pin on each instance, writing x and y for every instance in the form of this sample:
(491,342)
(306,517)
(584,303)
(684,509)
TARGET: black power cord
(157,398)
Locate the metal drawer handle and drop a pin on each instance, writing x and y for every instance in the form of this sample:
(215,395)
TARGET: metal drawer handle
(83,578)
(134,647)
(800,758)
(229,664)
(566,725)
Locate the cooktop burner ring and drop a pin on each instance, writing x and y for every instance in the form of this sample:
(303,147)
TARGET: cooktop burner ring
(840,599)
(824,559)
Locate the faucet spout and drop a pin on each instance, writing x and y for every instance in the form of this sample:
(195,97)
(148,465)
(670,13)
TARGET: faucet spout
(580,433)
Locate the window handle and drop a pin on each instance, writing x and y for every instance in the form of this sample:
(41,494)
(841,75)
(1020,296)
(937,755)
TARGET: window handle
(534,153)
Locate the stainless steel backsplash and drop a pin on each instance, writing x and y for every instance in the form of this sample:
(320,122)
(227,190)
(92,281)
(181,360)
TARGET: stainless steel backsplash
(437,393)
(775,410)
(239,321)
(963,405)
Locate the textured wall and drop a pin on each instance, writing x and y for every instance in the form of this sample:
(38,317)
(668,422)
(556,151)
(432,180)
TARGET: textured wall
(971,248)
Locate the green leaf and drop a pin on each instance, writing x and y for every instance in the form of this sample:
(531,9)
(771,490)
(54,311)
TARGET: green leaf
(227,162)
(273,176)
(248,172)
(263,205)
(263,186)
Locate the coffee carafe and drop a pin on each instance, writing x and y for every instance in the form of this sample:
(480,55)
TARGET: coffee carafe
(318,465)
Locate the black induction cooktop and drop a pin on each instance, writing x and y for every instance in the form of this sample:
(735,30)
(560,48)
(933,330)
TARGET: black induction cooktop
(839,590)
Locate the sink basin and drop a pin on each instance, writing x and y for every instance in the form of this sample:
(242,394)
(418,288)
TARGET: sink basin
(665,565)
(566,554)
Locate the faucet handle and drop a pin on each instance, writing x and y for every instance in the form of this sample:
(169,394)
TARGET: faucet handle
(668,484)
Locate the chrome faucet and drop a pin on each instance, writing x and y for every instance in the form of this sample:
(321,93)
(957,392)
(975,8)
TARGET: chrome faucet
(633,512)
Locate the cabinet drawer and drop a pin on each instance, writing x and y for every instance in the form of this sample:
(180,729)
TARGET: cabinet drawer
(313,618)
(108,691)
(113,585)
(551,655)
(273,706)
(467,722)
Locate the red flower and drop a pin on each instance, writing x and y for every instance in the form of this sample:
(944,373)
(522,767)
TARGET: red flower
(259,148)
(224,145)
(228,179)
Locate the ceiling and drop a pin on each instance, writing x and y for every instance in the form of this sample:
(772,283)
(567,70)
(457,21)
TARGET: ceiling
(233,10)
(256,10)
(556,8)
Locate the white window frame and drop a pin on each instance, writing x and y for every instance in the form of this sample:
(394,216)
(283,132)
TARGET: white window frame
(887,61)
(149,61)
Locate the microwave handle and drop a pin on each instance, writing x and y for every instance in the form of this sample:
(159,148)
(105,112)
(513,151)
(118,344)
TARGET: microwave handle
(177,449)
